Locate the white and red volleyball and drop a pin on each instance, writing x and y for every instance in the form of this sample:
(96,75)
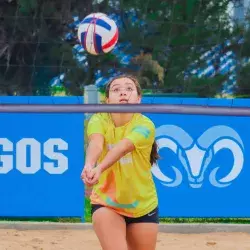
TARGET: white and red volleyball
(98,33)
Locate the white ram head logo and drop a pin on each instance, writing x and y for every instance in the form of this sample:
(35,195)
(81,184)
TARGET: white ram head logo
(195,156)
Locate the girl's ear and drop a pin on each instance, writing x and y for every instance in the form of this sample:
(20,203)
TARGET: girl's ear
(106,100)
(139,98)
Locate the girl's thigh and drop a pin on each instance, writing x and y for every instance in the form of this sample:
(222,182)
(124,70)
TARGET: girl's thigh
(142,236)
(110,229)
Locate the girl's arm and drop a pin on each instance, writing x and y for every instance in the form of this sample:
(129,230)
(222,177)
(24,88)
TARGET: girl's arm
(141,136)
(122,148)
(94,149)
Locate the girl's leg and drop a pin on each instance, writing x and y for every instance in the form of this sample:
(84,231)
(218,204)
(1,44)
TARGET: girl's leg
(142,236)
(110,229)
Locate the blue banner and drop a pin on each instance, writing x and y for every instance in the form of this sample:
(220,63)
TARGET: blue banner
(203,170)
(41,159)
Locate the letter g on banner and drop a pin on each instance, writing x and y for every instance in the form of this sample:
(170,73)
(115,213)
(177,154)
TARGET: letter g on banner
(195,156)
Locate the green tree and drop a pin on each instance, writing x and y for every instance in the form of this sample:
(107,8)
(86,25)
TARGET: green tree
(176,33)
(243,87)
(32,46)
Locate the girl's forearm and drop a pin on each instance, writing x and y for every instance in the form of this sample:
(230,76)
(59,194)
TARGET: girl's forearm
(93,153)
(116,153)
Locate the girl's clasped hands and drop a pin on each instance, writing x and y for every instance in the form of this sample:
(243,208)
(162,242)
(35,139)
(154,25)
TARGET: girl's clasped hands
(90,175)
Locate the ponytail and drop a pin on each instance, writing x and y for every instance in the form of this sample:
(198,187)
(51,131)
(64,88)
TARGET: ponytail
(154,156)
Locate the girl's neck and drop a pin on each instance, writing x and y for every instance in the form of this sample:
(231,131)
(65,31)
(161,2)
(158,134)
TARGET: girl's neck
(120,119)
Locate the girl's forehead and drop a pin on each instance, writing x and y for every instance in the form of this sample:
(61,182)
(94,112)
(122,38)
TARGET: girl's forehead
(122,81)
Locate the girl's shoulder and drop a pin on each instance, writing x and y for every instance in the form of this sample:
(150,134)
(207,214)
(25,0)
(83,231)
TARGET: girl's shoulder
(144,120)
(99,117)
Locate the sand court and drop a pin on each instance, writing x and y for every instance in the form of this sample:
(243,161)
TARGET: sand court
(12,239)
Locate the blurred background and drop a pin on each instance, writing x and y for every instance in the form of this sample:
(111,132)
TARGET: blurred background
(197,48)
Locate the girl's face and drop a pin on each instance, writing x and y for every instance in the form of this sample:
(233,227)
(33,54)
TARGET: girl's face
(123,91)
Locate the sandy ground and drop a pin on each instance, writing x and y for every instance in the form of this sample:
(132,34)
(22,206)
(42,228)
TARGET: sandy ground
(86,240)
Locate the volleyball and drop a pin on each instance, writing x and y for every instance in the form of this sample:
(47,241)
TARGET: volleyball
(98,34)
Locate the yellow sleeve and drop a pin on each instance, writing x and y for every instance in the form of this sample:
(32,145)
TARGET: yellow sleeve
(142,135)
(95,125)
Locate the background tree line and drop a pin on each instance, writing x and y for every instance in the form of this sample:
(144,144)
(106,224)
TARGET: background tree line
(168,37)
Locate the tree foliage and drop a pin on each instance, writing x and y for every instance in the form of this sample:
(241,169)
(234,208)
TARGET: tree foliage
(32,47)
(166,39)
(177,32)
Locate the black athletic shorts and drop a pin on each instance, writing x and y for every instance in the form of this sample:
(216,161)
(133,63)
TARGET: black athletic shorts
(152,217)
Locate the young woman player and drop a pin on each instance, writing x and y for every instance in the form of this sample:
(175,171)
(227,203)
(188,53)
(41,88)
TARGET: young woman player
(121,150)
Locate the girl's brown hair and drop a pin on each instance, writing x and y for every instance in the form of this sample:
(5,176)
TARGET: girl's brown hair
(154,156)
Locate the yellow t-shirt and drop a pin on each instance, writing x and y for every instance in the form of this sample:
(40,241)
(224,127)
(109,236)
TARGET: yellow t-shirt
(127,186)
